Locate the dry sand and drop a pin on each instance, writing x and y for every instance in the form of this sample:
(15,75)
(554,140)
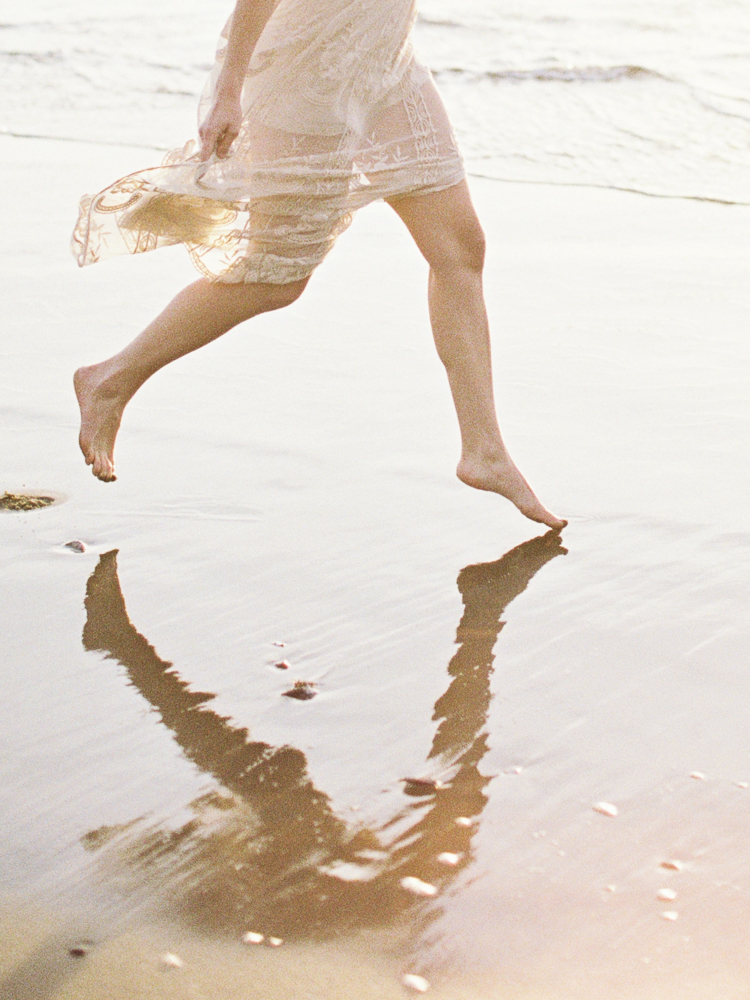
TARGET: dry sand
(293,483)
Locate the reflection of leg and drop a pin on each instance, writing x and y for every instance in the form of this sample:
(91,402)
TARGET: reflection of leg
(487,589)
(461,740)
(447,232)
(197,315)
(273,780)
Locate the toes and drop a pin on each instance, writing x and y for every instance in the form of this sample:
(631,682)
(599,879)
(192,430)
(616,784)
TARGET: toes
(103,468)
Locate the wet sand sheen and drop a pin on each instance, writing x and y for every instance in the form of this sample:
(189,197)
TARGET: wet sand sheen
(150,749)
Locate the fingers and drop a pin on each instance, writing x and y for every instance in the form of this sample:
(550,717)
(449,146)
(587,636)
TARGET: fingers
(217,141)
(225,140)
(208,138)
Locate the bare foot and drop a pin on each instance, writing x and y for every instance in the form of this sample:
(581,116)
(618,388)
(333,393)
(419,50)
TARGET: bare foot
(101,412)
(501,476)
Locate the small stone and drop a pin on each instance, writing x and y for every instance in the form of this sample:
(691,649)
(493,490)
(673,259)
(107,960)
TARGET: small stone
(417,886)
(742,784)
(673,866)
(302,691)
(448,858)
(75,546)
(698,775)
(78,950)
(252,937)
(611,888)
(462,821)
(668,895)
(606,809)
(670,915)
(274,942)
(417,983)
(280,644)
(282,665)
(171,961)
(428,784)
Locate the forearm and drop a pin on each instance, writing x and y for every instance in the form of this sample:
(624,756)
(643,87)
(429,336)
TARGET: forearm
(248,21)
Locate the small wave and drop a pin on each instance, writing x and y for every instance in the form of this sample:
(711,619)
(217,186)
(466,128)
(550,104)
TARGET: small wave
(436,22)
(33,57)
(562,74)
(646,192)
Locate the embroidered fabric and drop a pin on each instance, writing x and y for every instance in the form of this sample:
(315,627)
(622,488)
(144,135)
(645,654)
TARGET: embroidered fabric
(337,112)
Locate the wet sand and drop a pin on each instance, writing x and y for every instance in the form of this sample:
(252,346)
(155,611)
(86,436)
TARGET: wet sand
(293,483)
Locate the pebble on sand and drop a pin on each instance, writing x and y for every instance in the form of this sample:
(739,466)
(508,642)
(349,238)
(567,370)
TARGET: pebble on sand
(282,665)
(673,866)
(698,775)
(171,961)
(280,644)
(606,809)
(417,983)
(668,895)
(75,546)
(670,914)
(417,886)
(429,784)
(302,691)
(611,888)
(448,858)
(78,951)
(462,821)
(742,784)
(274,942)
(252,937)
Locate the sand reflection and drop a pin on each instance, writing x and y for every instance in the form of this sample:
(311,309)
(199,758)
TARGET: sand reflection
(265,850)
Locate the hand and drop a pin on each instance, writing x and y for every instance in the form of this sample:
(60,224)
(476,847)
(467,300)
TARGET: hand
(221,127)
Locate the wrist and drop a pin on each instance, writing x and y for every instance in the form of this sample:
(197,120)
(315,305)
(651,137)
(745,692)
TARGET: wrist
(229,86)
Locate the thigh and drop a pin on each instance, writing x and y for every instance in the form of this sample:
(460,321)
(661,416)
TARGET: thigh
(444,225)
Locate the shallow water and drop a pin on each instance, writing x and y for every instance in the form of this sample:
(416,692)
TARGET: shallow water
(293,484)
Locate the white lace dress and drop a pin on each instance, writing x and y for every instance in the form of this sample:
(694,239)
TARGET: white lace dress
(337,112)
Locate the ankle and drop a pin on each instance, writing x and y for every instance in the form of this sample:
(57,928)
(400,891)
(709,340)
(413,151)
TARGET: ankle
(484,453)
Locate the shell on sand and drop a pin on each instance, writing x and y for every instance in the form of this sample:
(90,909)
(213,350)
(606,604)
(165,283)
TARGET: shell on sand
(448,858)
(667,895)
(417,886)
(417,983)
(275,942)
(252,937)
(670,915)
(673,866)
(171,961)
(605,808)
(698,775)
(462,821)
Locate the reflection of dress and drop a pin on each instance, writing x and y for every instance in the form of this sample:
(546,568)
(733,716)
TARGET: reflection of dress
(337,113)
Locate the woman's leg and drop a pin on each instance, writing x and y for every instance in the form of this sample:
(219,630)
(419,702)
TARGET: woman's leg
(199,314)
(445,227)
